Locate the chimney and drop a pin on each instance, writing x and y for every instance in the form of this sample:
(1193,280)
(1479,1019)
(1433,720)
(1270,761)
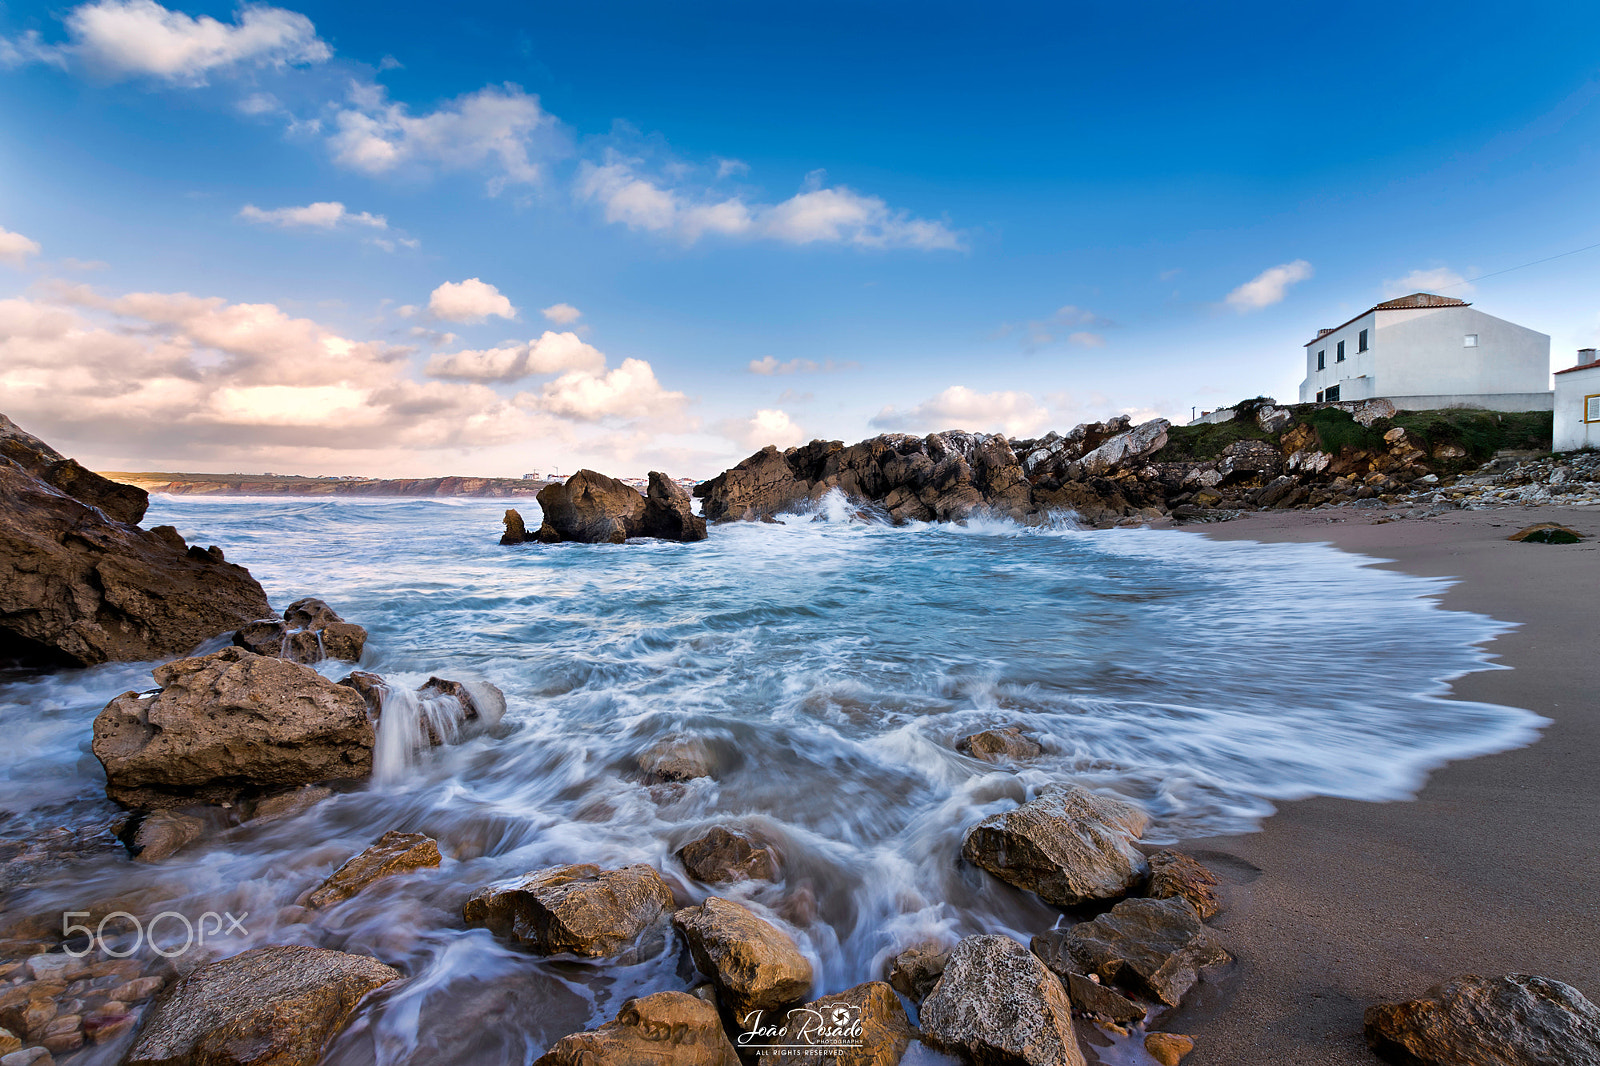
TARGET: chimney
(1587,356)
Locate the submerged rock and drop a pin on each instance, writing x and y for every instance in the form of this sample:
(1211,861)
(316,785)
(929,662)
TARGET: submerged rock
(1069,845)
(269,1006)
(996,1003)
(1155,947)
(721,856)
(1007,742)
(915,971)
(1516,1020)
(753,964)
(861,1026)
(394,853)
(442,711)
(309,632)
(666,1029)
(1174,874)
(163,834)
(580,909)
(227,724)
(676,758)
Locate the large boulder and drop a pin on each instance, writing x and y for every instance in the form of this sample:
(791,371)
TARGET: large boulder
(594,509)
(79,587)
(309,632)
(1125,448)
(1069,845)
(669,512)
(861,1026)
(229,724)
(752,963)
(269,1006)
(118,502)
(1153,947)
(580,909)
(1516,1020)
(997,1003)
(666,1029)
(394,853)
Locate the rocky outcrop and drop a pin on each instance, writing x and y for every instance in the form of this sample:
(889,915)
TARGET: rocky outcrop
(79,586)
(1070,845)
(996,1003)
(516,531)
(1516,1020)
(669,512)
(666,1029)
(752,963)
(1173,874)
(915,971)
(591,508)
(1153,947)
(269,1006)
(229,724)
(309,632)
(721,857)
(861,1026)
(394,853)
(580,909)
(1007,743)
(117,501)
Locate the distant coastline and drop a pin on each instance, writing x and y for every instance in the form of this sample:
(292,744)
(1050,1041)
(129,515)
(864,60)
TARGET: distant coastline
(179,484)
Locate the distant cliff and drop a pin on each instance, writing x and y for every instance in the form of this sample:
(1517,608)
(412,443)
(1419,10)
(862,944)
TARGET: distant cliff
(283,485)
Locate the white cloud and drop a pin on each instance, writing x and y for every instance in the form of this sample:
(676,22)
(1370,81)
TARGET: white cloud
(128,38)
(502,127)
(562,314)
(766,426)
(630,392)
(958,407)
(816,214)
(552,353)
(468,301)
(768,366)
(321,215)
(1435,280)
(15,248)
(1268,287)
(1087,339)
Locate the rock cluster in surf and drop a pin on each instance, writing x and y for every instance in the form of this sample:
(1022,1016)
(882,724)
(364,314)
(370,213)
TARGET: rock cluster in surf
(591,508)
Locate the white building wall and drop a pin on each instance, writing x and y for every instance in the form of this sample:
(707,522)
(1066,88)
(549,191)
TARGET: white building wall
(1422,352)
(1571,431)
(1348,374)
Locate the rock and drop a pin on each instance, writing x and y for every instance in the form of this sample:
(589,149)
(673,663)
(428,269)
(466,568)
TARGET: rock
(1175,874)
(1446,452)
(118,502)
(915,971)
(754,965)
(996,1003)
(228,723)
(1273,419)
(310,632)
(438,712)
(666,1029)
(163,834)
(1168,1048)
(1125,448)
(676,758)
(269,1005)
(1155,947)
(138,990)
(79,588)
(516,532)
(720,857)
(31,1056)
(288,804)
(1069,845)
(9,1041)
(580,909)
(991,745)
(1516,1020)
(57,967)
(861,1026)
(669,512)
(394,853)
(1096,1000)
(1547,533)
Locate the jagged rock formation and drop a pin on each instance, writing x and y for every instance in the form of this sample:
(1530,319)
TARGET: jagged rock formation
(592,508)
(80,584)
(1153,947)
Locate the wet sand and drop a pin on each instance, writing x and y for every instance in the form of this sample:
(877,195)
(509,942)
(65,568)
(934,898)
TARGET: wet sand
(1493,868)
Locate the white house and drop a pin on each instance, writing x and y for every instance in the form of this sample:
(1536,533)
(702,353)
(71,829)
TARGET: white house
(1423,352)
(1577,419)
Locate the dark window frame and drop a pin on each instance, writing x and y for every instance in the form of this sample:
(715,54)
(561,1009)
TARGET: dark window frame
(1322,359)
(1361,342)
(1338,354)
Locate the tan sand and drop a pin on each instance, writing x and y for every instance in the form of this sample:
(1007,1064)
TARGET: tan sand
(1495,866)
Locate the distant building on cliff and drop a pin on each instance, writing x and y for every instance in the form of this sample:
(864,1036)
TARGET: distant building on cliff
(1423,351)
(1577,418)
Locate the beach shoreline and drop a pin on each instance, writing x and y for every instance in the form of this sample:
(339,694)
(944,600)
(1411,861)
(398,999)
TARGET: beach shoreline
(1491,868)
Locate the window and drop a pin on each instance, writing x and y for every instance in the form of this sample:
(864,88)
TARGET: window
(1361,342)
(1319,397)
(1331,393)
(1591,408)
(1469,341)
(1322,359)
(1338,356)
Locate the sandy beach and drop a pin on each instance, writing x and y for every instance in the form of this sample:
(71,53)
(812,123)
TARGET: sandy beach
(1493,868)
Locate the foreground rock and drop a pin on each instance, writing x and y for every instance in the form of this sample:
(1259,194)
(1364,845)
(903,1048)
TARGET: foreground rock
(229,724)
(861,1026)
(1006,743)
(580,909)
(997,1003)
(1168,1048)
(752,963)
(1516,1020)
(394,853)
(118,502)
(591,508)
(309,632)
(915,971)
(666,1029)
(669,512)
(721,857)
(1173,874)
(270,1006)
(80,586)
(1153,947)
(1070,845)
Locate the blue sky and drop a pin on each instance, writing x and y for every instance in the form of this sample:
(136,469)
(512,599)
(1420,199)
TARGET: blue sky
(420,240)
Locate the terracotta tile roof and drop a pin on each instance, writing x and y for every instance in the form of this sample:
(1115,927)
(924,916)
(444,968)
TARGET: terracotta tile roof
(1404,303)
(1580,366)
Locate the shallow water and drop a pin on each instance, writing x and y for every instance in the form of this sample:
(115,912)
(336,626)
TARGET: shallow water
(830,666)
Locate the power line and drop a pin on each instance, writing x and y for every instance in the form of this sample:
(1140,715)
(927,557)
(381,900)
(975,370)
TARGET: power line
(1507,270)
